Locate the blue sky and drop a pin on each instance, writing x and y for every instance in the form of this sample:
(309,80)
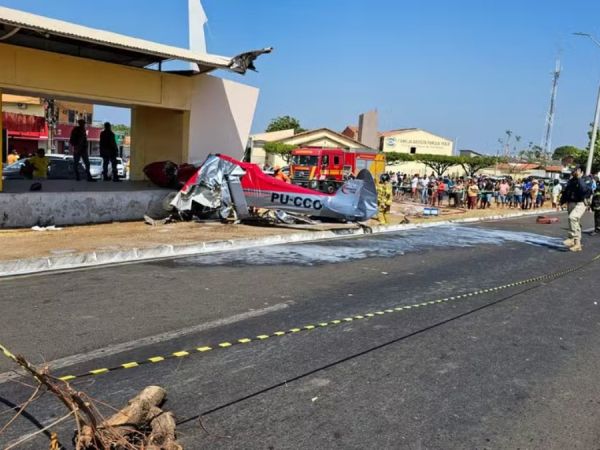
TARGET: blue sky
(464,69)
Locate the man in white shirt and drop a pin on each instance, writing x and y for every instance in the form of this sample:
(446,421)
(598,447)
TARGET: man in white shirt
(414,184)
(556,190)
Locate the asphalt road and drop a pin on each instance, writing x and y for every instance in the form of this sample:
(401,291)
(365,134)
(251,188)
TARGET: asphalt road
(509,368)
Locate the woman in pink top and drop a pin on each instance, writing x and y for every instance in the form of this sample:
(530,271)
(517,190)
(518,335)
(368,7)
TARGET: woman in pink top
(503,193)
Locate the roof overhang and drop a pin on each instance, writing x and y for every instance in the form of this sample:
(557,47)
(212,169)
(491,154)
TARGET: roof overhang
(43,33)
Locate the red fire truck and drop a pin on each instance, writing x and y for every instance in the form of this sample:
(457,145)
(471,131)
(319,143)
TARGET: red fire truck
(326,169)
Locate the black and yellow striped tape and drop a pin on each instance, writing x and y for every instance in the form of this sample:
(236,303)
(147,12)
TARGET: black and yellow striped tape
(305,328)
(311,327)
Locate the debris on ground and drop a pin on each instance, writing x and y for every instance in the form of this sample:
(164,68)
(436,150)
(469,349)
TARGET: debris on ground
(141,425)
(544,220)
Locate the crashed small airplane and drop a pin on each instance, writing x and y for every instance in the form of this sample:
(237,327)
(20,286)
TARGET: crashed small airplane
(235,189)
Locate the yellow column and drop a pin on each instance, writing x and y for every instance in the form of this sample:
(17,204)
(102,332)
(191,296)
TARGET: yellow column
(1,145)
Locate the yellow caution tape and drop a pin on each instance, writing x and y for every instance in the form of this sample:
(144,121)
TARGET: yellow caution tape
(366,316)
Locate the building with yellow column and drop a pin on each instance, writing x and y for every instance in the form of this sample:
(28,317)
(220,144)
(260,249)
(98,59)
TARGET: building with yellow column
(179,116)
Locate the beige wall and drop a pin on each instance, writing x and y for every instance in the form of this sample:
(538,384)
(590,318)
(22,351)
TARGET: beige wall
(174,117)
(260,157)
(258,154)
(30,106)
(29,110)
(1,144)
(81,109)
(157,135)
(40,73)
(424,142)
(221,117)
(322,138)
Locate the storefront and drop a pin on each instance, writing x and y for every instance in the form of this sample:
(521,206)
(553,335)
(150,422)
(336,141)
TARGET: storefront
(63,134)
(25,133)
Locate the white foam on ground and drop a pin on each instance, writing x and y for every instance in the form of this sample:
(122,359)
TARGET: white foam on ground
(385,246)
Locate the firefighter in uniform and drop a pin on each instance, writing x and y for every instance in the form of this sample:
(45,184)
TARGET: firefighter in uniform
(384,198)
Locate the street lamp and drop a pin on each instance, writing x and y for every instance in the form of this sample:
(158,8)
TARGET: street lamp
(588,169)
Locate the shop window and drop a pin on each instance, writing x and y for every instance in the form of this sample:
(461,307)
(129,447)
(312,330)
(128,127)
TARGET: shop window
(71,116)
(413,150)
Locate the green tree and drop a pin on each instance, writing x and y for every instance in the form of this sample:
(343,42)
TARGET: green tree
(122,129)
(584,156)
(393,157)
(438,163)
(278,148)
(285,123)
(567,151)
(472,165)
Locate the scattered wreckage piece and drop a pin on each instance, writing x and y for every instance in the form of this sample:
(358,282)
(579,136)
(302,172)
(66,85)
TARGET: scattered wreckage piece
(227,189)
(545,220)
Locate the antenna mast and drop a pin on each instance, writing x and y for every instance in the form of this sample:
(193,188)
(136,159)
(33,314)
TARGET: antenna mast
(547,142)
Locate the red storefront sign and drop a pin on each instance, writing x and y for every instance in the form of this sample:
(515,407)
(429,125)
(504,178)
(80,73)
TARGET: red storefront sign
(24,126)
(63,132)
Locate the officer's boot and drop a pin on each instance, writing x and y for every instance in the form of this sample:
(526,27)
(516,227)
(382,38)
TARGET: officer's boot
(577,246)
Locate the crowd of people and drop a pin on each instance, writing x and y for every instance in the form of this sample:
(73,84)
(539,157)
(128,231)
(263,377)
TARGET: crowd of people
(580,194)
(479,192)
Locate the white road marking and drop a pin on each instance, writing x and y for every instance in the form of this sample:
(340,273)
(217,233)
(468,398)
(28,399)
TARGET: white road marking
(163,337)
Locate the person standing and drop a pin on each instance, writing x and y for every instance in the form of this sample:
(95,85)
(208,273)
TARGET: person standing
(518,194)
(414,186)
(503,190)
(109,152)
(79,143)
(279,175)
(574,196)
(13,157)
(556,190)
(596,209)
(472,194)
(40,163)
(535,191)
(384,199)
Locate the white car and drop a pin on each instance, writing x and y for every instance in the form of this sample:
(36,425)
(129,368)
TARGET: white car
(96,167)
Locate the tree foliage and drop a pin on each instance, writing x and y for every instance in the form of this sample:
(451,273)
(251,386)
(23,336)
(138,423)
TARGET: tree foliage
(567,151)
(284,123)
(278,148)
(472,165)
(441,163)
(121,129)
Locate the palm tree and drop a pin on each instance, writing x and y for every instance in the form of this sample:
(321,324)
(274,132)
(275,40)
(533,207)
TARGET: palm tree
(517,140)
(507,143)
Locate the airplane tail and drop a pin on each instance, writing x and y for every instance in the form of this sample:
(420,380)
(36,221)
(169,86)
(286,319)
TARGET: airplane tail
(356,200)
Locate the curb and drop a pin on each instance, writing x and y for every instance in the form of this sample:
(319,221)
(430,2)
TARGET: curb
(30,266)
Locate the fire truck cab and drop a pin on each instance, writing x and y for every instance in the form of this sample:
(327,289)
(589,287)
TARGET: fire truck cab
(326,169)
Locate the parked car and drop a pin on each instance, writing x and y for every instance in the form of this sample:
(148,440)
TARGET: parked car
(96,168)
(60,168)
(121,168)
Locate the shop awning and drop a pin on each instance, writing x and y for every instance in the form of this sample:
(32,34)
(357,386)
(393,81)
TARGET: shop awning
(43,33)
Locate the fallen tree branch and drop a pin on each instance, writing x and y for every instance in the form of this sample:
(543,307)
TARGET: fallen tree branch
(21,409)
(46,428)
(141,425)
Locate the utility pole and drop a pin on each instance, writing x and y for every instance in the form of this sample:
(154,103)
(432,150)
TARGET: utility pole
(547,142)
(588,169)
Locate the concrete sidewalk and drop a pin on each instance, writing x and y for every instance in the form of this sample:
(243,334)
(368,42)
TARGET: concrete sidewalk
(28,251)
